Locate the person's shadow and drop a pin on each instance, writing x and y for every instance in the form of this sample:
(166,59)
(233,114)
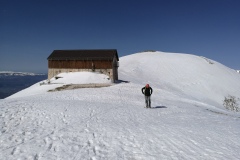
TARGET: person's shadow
(159,107)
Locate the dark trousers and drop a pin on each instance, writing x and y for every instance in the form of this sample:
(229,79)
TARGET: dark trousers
(148,101)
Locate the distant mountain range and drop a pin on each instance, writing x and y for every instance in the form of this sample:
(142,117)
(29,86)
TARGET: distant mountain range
(11,73)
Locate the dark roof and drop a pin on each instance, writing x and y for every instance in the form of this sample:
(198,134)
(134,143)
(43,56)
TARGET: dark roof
(100,54)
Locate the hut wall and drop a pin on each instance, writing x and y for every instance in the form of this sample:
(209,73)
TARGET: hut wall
(109,68)
(115,66)
(79,64)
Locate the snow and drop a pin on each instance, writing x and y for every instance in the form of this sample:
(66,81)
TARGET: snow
(187,119)
(81,78)
(63,79)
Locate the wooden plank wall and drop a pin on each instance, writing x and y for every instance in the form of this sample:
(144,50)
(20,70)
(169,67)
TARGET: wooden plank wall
(80,64)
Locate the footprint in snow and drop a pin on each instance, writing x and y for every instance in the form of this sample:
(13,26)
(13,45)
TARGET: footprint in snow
(15,151)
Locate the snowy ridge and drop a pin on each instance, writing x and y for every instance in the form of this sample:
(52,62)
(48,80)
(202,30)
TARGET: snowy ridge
(187,119)
(192,76)
(11,73)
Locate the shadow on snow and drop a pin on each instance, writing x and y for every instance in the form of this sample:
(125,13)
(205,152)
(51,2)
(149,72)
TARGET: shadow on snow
(121,81)
(159,107)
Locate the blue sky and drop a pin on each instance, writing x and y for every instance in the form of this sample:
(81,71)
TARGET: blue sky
(31,29)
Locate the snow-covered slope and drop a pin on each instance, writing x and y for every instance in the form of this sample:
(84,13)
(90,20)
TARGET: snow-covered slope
(63,79)
(189,76)
(187,120)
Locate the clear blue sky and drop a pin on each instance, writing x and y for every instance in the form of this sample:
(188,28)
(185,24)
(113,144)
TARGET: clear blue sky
(31,29)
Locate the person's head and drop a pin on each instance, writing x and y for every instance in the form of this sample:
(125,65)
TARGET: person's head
(147,85)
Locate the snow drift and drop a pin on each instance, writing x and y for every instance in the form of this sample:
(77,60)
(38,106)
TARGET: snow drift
(63,79)
(187,119)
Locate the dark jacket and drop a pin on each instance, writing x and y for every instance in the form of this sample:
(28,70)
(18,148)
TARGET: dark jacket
(147,91)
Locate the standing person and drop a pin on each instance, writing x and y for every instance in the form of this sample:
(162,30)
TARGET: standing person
(147,91)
